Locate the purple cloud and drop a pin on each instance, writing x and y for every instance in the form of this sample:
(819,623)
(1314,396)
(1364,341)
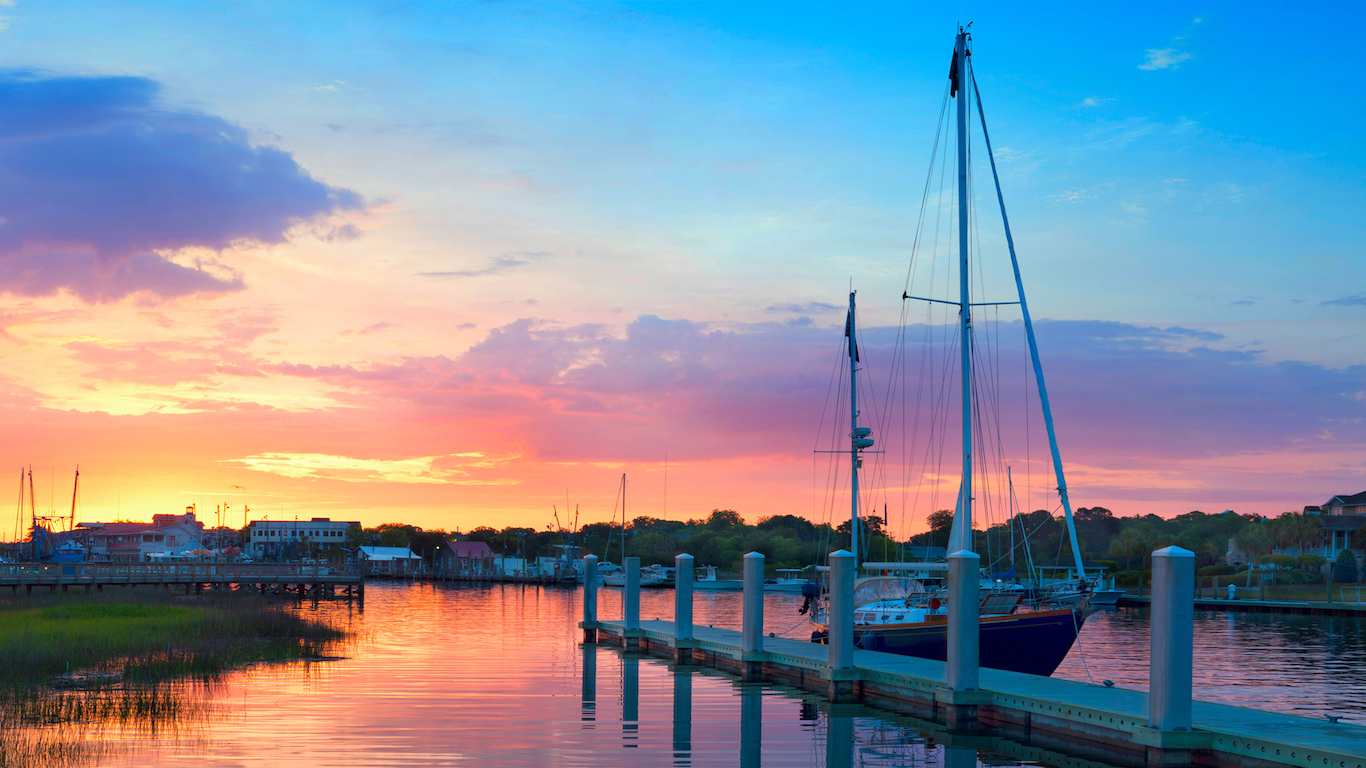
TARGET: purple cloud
(98,181)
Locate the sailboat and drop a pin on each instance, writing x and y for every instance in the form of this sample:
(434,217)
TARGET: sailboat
(898,613)
(615,576)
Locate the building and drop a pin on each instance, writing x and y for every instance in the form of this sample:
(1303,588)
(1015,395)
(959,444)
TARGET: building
(133,542)
(389,561)
(467,559)
(1342,518)
(295,538)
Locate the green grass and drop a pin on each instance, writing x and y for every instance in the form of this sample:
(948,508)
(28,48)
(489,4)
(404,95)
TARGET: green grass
(147,638)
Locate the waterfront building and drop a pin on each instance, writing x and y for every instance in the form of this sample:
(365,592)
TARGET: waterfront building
(295,538)
(1342,518)
(389,561)
(469,559)
(135,541)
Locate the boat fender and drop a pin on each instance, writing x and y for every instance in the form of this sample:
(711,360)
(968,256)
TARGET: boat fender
(934,603)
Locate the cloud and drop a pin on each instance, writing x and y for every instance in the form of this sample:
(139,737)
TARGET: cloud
(1164,58)
(1096,101)
(321,466)
(374,328)
(105,192)
(809,308)
(497,265)
(1347,301)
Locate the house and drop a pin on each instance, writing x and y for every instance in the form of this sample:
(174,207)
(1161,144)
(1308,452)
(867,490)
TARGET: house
(468,559)
(1342,518)
(295,538)
(133,542)
(388,561)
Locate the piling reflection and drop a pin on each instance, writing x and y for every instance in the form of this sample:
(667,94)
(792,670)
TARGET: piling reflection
(588,709)
(630,701)
(751,725)
(682,745)
(839,738)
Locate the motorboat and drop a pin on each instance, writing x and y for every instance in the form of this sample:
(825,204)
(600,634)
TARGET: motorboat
(707,581)
(789,580)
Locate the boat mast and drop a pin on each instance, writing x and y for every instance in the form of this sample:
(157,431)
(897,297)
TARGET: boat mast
(960,60)
(74,486)
(623,518)
(1033,349)
(858,436)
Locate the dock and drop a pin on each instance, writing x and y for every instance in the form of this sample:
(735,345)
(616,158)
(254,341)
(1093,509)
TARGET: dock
(1088,722)
(1059,715)
(1317,608)
(270,578)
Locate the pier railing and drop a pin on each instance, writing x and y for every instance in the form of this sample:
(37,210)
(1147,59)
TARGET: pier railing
(181,572)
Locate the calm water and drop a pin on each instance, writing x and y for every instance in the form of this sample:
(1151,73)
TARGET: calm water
(495,676)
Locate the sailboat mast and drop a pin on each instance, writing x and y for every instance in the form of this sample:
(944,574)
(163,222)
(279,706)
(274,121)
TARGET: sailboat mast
(75,485)
(965,307)
(623,518)
(854,435)
(1033,350)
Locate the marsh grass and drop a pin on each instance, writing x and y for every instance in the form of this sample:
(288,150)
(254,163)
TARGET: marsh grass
(89,641)
(74,666)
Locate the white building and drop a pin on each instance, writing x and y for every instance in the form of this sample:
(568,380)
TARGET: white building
(295,537)
(389,561)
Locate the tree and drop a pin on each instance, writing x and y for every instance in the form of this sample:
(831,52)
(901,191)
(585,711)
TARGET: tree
(721,519)
(1135,541)
(1345,569)
(1253,540)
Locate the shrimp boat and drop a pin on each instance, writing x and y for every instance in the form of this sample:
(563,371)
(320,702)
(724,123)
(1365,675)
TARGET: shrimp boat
(895,611)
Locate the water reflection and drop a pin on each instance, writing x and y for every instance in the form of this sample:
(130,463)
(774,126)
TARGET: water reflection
(839,737)
(630,701)
(682,716)
(751,725)
(496,676)
(588,711)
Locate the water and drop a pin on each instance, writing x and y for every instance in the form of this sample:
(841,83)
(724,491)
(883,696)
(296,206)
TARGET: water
(1299,665)
(495,676)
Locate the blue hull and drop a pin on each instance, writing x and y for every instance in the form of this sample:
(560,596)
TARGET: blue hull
(1033,643)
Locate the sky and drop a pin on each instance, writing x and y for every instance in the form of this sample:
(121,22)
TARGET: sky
(451,264)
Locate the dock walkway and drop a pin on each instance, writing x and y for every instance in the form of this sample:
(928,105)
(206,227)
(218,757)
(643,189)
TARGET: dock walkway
(301,579)
(1317,608)
(1043,711)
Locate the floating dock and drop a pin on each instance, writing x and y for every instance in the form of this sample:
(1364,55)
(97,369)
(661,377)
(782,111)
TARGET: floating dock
(1261,606)
(1092,721)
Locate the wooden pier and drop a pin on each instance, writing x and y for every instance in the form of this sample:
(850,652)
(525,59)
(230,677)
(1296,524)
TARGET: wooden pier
(277,578)
(1318,608)
(1109,724)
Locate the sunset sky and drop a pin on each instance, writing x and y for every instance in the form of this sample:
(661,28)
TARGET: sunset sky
(446,264)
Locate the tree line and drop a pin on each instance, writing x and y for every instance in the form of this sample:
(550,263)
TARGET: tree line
(1121,544)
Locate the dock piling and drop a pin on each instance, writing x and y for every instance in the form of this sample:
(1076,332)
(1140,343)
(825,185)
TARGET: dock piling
(631,602)
(683,579)
(840,624)
(963,577)
(590,599)
(1173,625)
(752,618)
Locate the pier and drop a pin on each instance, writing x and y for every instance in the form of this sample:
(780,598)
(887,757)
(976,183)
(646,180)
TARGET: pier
(1091,722)
(276,578)
(1253,605)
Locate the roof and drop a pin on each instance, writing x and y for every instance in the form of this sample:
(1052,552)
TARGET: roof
(476,550)
(118,529)
(1347,500)
(387,553)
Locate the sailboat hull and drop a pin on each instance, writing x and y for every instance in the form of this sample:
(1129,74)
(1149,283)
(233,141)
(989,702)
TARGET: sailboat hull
(1033,643)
